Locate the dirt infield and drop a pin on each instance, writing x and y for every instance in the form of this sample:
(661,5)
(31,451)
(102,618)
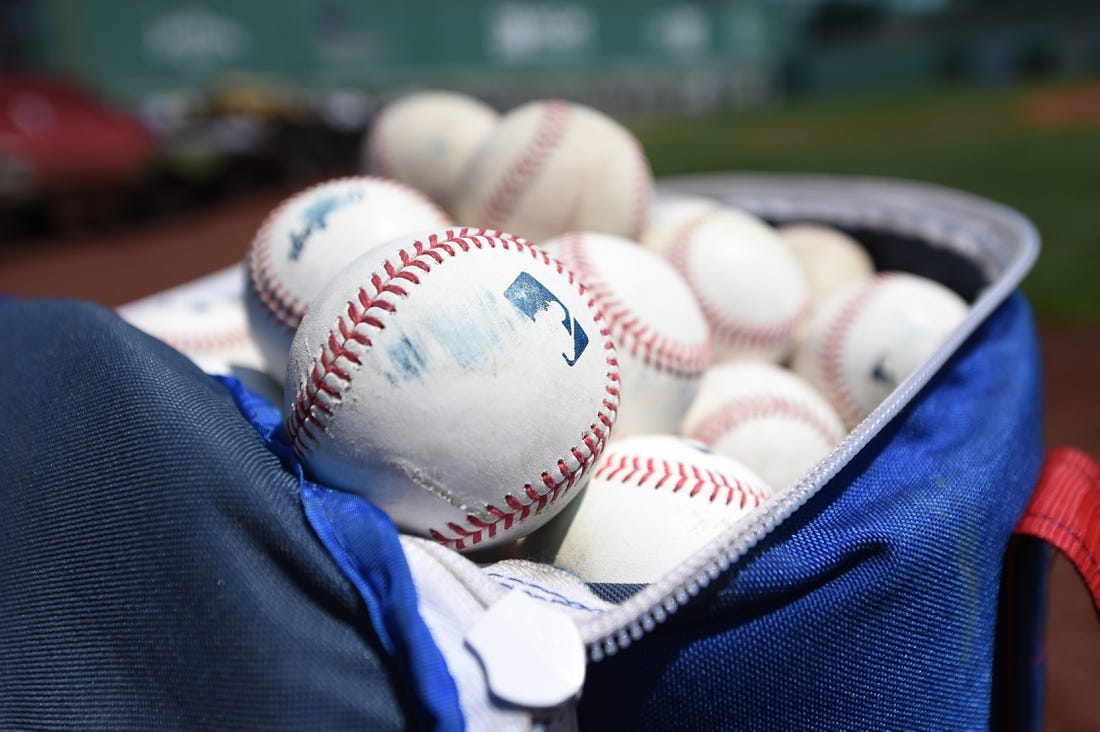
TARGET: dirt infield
(116,267)
(1073,106)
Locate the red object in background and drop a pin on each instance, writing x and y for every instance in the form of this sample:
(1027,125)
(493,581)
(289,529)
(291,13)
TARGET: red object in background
(56,138)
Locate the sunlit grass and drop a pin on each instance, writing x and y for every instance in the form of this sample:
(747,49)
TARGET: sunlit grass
(1015,146)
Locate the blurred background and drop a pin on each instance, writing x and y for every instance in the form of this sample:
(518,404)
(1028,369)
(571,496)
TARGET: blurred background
(114,111)
(143,141)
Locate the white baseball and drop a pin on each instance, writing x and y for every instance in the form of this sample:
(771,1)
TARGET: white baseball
(461,382)
(652,502)
(747,280)
(868,337)
(659,332)
(830,258)
(765,416)
(211,331)
(425,139)
(668,212)
(552,166)
(309,238)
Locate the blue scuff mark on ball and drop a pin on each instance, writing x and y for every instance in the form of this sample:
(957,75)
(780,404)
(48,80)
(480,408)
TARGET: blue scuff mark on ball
(474,336)
(408,359)
(316,216)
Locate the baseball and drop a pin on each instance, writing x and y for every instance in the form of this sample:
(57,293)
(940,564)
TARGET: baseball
(425,139)
(765,416)
(868,337)
(668,212)
(747,281)
(652,502)
(461,381)
(830,258)
(550,167)
(309,238)
(660,334)
(211,331)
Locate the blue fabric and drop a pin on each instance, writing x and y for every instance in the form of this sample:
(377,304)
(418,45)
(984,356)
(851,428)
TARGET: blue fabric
(157,570)
(365,544)
(160,572)
(875,607)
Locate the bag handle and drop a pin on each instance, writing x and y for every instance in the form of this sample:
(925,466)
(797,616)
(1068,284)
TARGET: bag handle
(1065,512)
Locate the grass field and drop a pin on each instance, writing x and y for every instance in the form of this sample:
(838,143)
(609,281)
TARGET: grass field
(1035,148)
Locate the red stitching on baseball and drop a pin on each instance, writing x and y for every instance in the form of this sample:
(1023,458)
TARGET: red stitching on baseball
(654,349)
(739,334)
(333,368)
(283,307)
(738,411)
(648,472)
(832,349)
(279,303)
(529,164)
(200,343)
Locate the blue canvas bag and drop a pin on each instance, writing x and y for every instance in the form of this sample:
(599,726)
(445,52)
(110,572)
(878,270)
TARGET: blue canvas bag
(168,564)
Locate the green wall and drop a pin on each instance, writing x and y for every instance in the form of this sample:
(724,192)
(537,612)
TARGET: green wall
(131,48)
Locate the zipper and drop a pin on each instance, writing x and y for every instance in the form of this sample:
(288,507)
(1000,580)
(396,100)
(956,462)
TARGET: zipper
(1001,242)
(939,217)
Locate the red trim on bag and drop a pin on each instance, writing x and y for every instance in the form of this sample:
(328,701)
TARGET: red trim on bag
(1065,512)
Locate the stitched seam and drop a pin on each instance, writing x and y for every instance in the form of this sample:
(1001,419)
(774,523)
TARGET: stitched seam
(648,472)
(206,342)
(362,313)
(544,593)
(832,350)
(544,598)
(331,372)
(736,333)
(643,342)
(738,411)
(530,163)
(284,307)
(1094,563)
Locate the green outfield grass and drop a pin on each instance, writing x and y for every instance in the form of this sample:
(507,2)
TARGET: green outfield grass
(1033,148)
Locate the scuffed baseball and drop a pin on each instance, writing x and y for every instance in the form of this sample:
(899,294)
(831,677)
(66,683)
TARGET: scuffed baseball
(765,416)
(309,238)
(660,334)
(462,382)
(830,258)
(550,167)
(652,502)
(868,337)
(747,281)
(425,139)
